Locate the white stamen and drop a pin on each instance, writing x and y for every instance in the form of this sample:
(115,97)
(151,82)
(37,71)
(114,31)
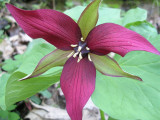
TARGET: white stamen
(80,57)
(72,45)
(79,48)
(87,48)
(70,54)
(82,39)
(78,60)
(89,57)
(75,55)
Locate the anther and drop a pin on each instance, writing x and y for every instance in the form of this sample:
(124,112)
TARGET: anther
(82,39)
(87,48)
(80,57)
(75,55)
(70,54)
(79,48)
(89,57)
(72,45)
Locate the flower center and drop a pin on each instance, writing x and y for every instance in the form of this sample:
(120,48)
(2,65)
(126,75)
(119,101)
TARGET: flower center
(81,50)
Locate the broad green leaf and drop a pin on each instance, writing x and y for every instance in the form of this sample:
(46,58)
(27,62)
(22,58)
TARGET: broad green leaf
(75,12)
(14,90)
(20,90)
(134,15)
(111,118)
(89,18)
(3,82)
(126,99)
(111,15)
(142,27)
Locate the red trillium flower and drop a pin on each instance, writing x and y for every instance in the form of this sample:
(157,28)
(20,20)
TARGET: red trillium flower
(81,48)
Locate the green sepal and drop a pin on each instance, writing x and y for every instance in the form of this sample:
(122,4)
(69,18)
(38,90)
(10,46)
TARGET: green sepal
(109,67)
(56,58)
(89,18)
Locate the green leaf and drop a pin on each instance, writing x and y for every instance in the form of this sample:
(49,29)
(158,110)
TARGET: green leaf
(126,99)
(89,18)
(109,15)
(144,28)
(12,65)
(111,118)
(3,82)
(134,15)
(75,12)
(46,94)
(106,15)
(13,116)
(13,90)
(6,115)
(35,99)
(20,90)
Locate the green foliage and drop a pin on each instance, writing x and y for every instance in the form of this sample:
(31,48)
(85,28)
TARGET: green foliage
(2,3)
(12,65)
(111,15)
(105,14)
(144,28)
(13,90)
(46,93)
(134,15)
(111,118)
(127,99)
(8,115)
(120,98)
(35,99)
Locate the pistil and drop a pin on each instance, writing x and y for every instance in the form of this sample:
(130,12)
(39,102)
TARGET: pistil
(81,50)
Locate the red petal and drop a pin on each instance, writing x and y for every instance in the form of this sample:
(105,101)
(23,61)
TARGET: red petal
(77,83)
(110,37)
(53,26)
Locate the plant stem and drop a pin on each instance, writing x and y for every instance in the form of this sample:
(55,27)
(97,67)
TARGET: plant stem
(102,115)
(54,4)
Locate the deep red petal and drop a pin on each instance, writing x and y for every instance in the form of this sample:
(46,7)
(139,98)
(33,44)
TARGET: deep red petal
(77,83)
(110,37)
(53,26)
